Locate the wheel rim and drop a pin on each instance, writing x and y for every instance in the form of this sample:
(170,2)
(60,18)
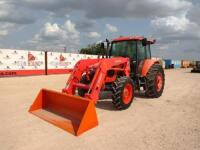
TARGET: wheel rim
(159,82)
(127,93)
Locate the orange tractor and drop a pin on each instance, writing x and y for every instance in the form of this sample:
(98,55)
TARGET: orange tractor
(127,67)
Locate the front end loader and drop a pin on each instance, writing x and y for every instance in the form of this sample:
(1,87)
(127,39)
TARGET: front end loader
(123,71)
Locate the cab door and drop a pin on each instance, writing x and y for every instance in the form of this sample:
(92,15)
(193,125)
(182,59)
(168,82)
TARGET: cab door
(143,53)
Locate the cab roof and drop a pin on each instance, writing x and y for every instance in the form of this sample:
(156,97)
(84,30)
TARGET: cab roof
(129,38)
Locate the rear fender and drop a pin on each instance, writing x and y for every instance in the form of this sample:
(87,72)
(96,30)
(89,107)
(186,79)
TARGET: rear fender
(145,65)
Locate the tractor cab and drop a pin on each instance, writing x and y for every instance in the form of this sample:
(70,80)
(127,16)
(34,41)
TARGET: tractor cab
(136,48)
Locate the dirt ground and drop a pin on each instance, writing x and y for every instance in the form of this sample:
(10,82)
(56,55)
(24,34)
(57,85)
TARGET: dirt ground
(171,122)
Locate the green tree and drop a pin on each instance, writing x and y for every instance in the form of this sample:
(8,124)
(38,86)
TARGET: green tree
(93,49)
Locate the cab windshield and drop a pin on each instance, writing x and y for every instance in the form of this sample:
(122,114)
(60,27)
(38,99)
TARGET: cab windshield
(124,49)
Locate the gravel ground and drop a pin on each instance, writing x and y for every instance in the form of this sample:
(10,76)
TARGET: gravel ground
(171,122)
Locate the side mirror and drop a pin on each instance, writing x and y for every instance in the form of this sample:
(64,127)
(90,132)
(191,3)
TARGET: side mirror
(144,42)
(107,41)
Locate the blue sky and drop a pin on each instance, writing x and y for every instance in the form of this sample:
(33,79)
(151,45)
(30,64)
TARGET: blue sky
(54,24)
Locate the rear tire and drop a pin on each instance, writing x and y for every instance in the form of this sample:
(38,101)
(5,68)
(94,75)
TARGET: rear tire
(123,92)
(155,81)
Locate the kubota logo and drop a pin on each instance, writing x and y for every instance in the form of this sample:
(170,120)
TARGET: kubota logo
(62,58)
(30,57)
(32,61)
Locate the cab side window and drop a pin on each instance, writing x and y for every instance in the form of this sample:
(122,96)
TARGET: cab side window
(131,49)
(148,52)
(141,51)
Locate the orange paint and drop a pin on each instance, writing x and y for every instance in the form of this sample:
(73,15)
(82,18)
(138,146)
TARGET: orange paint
(147,65)
(71,113)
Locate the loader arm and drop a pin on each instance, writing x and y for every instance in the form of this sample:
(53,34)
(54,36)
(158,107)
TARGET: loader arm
(101,66)
(75,77)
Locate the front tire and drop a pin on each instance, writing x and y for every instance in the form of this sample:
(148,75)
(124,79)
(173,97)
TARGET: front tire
(123,93)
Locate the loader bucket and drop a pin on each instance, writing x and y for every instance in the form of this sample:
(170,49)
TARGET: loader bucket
(71,113)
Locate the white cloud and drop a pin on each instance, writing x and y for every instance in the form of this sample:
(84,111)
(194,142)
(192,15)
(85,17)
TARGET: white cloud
(11,12)
(111,28)
(176,28)
(70,26)
(57,36)
(176,35)
(5,28)
(52,30)
(71,29)
(3,32)
(193,14)
(94,35)
(172,22)
(13,16)
(102,9)
(174,4)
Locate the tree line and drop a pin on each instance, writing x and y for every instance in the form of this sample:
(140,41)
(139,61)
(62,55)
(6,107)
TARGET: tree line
(93,49)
